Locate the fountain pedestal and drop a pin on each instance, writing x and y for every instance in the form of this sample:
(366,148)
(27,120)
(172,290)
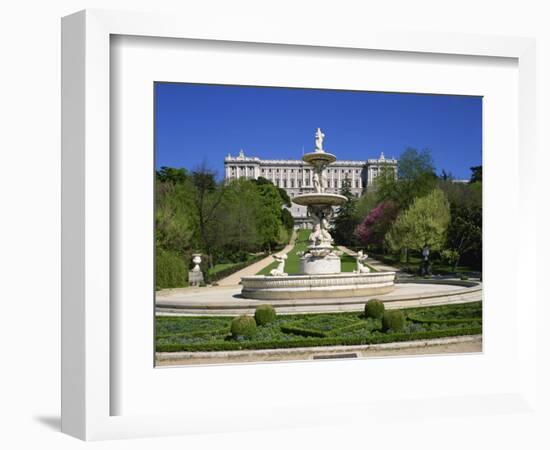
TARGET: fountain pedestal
(313,265)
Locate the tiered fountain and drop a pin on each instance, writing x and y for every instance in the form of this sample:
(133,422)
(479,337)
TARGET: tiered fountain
(320,267)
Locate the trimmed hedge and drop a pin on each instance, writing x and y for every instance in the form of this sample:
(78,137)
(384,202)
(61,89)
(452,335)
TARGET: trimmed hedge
(190,334)
(243,326)
(393,320)
(374,308)
(235,268)
(379,338)
(264,314)
(363,324)
(301,331)
(414,318)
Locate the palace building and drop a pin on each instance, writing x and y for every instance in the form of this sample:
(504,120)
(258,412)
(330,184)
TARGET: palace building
(296,176)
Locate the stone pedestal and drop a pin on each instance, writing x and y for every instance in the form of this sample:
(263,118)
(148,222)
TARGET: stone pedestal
(313,265)
(195,278)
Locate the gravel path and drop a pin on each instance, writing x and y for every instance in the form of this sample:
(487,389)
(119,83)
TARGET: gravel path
(474,344)
(253,269)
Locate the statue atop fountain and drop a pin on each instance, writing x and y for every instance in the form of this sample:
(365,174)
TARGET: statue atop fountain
(319,137)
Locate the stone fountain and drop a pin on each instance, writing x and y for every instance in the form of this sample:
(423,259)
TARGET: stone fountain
(320,266)
(321,256)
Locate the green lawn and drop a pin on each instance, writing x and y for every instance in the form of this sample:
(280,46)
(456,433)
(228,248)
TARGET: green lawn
(438,267)
(219,267)
(292,265)
(222,270)
(349,264)
(312,330)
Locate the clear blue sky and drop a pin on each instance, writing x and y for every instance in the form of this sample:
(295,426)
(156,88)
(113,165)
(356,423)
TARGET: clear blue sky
(203,123)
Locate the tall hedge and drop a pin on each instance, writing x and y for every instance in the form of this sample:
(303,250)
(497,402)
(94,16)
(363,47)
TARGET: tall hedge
(170,270)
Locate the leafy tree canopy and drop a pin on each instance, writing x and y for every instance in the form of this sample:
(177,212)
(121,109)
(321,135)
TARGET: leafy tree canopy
(424,223)
(476,176)
(172,175)
(373,228)
(346,219)
(416,178)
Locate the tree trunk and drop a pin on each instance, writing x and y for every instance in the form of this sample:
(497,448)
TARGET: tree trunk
(456,263)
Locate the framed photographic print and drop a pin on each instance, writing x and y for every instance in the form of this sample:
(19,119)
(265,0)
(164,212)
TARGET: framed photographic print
(254,208)
(284,272)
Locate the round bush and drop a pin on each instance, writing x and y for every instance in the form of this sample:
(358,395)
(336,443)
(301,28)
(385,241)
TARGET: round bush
(393,320)
(264,314)
(374,308)
(243,326)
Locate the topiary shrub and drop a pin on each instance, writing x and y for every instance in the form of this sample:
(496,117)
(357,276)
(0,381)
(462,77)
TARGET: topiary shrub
(374,309)
(264,314)
(393,320)
(243,326)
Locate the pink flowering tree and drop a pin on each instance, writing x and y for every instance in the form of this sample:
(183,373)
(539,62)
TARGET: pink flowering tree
(373,228)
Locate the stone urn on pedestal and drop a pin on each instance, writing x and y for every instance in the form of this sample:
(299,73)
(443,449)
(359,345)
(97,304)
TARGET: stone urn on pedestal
(195,274)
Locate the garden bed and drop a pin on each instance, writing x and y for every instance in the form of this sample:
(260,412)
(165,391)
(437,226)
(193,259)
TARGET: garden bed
(196,334)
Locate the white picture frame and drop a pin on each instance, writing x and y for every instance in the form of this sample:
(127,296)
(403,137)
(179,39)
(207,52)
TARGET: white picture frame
(88,386)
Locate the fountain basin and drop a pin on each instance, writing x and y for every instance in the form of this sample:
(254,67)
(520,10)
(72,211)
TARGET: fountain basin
(319,158)
(320,199)
(335,285)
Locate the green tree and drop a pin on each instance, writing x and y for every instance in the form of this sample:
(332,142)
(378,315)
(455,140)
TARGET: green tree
(365,204)
(415,178)
(175,233)
(207,197)
(424,223)
(464,232)
(477,173)
(172,175)
(238,217)
(269,216)
(346,219)
(287,219)
(260,181)
(174,213)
